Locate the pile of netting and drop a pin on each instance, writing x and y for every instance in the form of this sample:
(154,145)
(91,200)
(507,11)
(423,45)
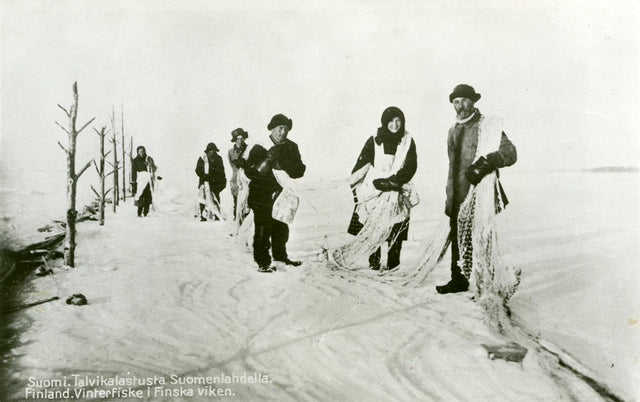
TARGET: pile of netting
(492,281)
(384,210)
(286,203)
(495,282)
(212,208)
(478,237)
(376,229)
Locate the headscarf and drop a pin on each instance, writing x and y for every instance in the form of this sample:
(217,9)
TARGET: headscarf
(386,136)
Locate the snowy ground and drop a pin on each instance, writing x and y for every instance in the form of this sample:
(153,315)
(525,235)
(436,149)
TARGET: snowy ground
(169,295)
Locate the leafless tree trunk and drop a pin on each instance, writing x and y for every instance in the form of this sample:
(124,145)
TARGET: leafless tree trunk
(124,165)
(115,164)
(131,162)
(72,177)
(102,194)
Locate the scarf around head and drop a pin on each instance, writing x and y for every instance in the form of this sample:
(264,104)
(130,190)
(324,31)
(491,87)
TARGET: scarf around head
(384,136)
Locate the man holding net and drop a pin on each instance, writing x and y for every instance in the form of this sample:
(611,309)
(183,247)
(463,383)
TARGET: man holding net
(477,148)
(280,157)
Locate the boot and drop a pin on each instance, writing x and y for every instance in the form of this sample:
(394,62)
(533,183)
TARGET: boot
(267,268)
(455,285)
(291,262)
(374,260)
(393,258)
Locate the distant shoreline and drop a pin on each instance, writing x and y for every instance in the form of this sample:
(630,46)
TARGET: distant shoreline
(601,169)
(613,169)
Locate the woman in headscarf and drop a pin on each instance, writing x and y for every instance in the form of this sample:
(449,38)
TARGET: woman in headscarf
(393,159)
(211,181)
(143,176)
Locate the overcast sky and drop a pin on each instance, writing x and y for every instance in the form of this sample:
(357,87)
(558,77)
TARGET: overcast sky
(565,76)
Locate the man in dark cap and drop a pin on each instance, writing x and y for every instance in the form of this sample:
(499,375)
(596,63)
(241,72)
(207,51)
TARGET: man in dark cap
(211,179)
(237,160)
(468,165)
(280,153)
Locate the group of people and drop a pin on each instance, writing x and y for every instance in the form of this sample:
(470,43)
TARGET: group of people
(257,165)
(390,159)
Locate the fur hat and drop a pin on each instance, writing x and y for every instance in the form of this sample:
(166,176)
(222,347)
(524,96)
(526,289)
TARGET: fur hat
(464,91)
(211,147)
(280,120)
(238,131)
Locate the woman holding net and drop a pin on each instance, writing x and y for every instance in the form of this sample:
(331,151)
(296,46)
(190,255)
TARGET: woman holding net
(391,161)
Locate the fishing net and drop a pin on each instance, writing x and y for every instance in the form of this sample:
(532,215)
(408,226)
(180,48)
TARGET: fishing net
(211,205)
(416,274)
(387,213)
(206,197)
(242,204)
(382,215)
(492,281)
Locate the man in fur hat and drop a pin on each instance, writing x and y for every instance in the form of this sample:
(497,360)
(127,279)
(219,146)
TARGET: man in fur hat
(280,153)
(211,180)
(237,159)
(476,149)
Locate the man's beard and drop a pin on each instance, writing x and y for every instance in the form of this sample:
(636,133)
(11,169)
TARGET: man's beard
(463,114)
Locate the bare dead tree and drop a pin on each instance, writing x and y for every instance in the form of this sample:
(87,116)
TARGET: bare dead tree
(116,164)
(72,176)
(102,194)
(124,165)
(131,163)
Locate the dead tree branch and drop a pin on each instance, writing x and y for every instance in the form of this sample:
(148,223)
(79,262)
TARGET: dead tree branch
(72,177)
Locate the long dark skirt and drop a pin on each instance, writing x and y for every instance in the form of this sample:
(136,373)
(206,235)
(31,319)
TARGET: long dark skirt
(144,201)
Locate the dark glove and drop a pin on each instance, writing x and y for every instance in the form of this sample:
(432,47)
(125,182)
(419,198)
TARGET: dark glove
(478,170)
(386,185)
(495,160)
(274,159)
(240,163)
(264,167)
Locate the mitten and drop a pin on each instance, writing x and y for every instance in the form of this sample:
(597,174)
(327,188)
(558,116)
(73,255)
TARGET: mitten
(478,170)
(386,185)
(274,159)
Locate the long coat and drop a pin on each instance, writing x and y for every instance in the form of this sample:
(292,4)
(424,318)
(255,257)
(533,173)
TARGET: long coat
(234,156)
(462,143)
(216,177)
(141,164)
(264,187)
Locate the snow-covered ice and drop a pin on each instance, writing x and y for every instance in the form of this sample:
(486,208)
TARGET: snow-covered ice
(169,295)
